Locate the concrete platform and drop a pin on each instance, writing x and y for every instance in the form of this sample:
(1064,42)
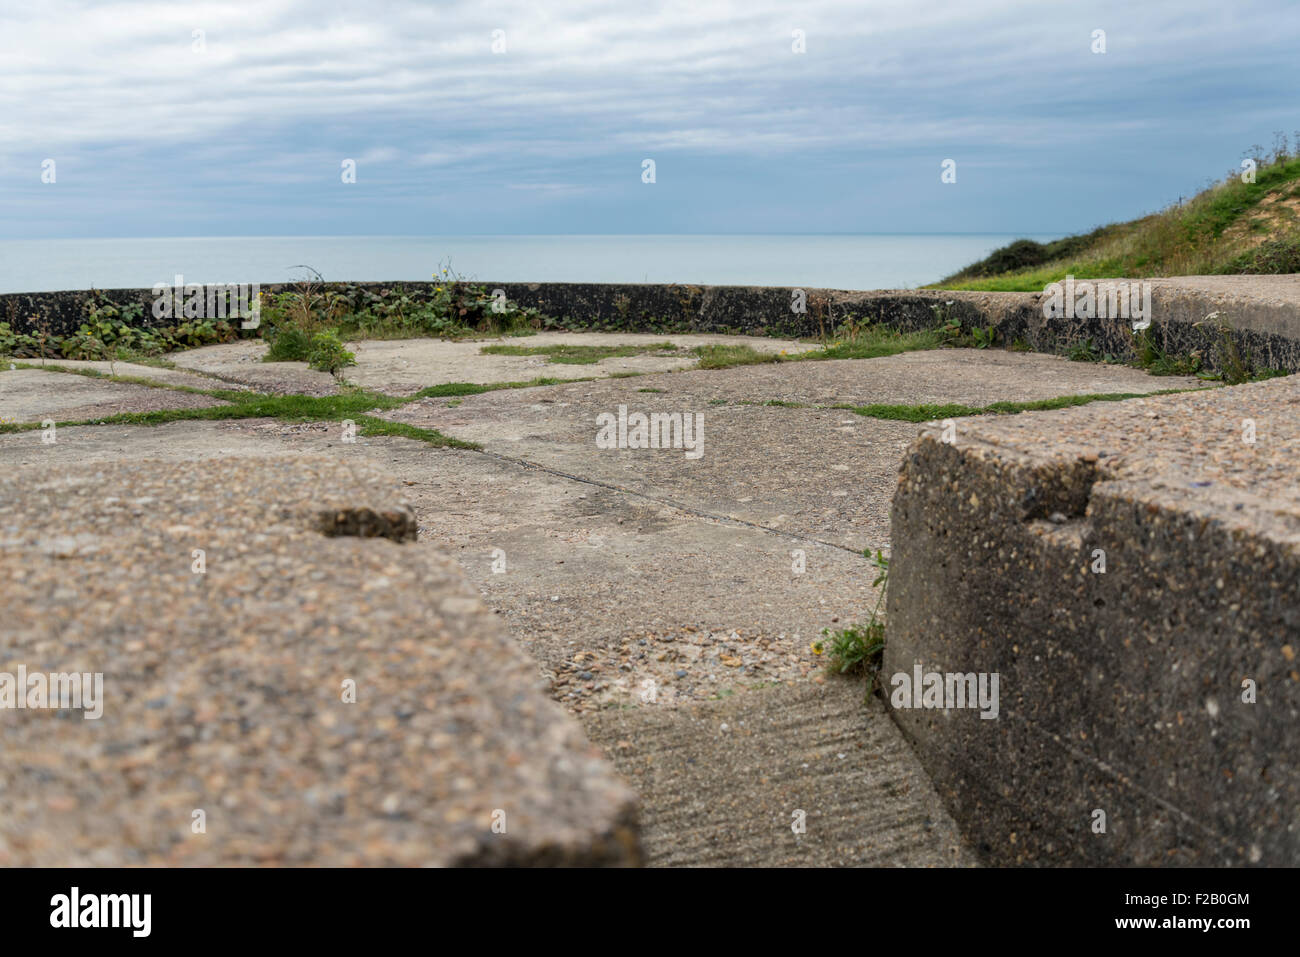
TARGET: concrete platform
(622,567)
(226,692)
(1163,691)
(405,366)
(811,472)
(34,395)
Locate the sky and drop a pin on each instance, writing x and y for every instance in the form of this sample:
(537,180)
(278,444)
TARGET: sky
(231,119)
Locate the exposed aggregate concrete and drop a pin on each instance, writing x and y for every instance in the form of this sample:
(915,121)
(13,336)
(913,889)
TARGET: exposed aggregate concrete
(225,691)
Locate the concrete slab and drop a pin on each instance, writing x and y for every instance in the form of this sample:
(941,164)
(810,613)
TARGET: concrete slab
(800,776)
(975,377)
(614,596)
(405,366)
(240,363)
(226,692)
(822,474)
(1160,688)
(33,395)
(596,582)
(180,377)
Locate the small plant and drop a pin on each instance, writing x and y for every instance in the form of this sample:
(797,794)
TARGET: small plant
(1234,368)
(288,343)
(984,338)
(328,353)
(1148,355)
(858,647)
(1085,351)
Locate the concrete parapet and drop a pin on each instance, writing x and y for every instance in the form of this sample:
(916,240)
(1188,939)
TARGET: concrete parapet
(1131,573)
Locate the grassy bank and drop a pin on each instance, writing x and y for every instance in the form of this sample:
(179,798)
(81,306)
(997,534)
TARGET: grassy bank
(1232,227)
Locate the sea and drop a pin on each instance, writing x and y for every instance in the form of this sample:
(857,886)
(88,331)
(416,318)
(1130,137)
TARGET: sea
(874,261)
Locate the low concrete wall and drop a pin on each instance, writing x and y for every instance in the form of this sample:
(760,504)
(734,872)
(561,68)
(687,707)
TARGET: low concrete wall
(1131,572)
(1268,331)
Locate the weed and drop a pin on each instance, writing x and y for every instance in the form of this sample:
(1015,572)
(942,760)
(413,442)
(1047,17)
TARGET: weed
(858,648)
(328,353)
(727,356)
(1085,351)
(1149,356)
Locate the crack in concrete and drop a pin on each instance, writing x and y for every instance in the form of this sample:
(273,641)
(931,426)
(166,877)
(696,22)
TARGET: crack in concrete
(689,510)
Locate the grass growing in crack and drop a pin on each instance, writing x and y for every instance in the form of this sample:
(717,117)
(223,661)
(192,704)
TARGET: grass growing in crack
(477,388)
(579,354)
(729,356)
(1084,351)
(874,342)
(354,404)
(125,379)
(1148,355)
(930,413)
(858,648)
(858,342)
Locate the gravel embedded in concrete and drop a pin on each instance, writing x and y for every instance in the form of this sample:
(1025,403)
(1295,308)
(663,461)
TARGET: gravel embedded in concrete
(224,691)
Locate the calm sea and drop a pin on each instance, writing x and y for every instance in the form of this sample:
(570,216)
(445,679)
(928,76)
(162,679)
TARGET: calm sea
(832,262)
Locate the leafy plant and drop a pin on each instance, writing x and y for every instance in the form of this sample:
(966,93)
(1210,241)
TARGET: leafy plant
(328,353)
(984,338)
(1085,351)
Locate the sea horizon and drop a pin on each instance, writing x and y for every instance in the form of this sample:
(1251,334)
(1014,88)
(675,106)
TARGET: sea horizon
(816,260)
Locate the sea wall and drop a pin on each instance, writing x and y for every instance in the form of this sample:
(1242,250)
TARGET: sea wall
(1268,332)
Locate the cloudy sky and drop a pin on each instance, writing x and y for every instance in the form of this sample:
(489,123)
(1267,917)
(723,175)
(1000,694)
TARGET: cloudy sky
(242,128)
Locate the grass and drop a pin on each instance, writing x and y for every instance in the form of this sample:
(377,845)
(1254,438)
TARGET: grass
(475,388)
(354,404)
(877,342)
(579,354)
(871,342)
(932,413)
(125,379)
(730,356)
(1218,231)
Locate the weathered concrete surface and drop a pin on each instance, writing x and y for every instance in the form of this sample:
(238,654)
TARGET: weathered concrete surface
(723,782)
(240,363)
(604,589)
(223,691)
(642,592)
(32,395)
(624,567)
(405,366)
(155,374)
(1120,691)
(801,471)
